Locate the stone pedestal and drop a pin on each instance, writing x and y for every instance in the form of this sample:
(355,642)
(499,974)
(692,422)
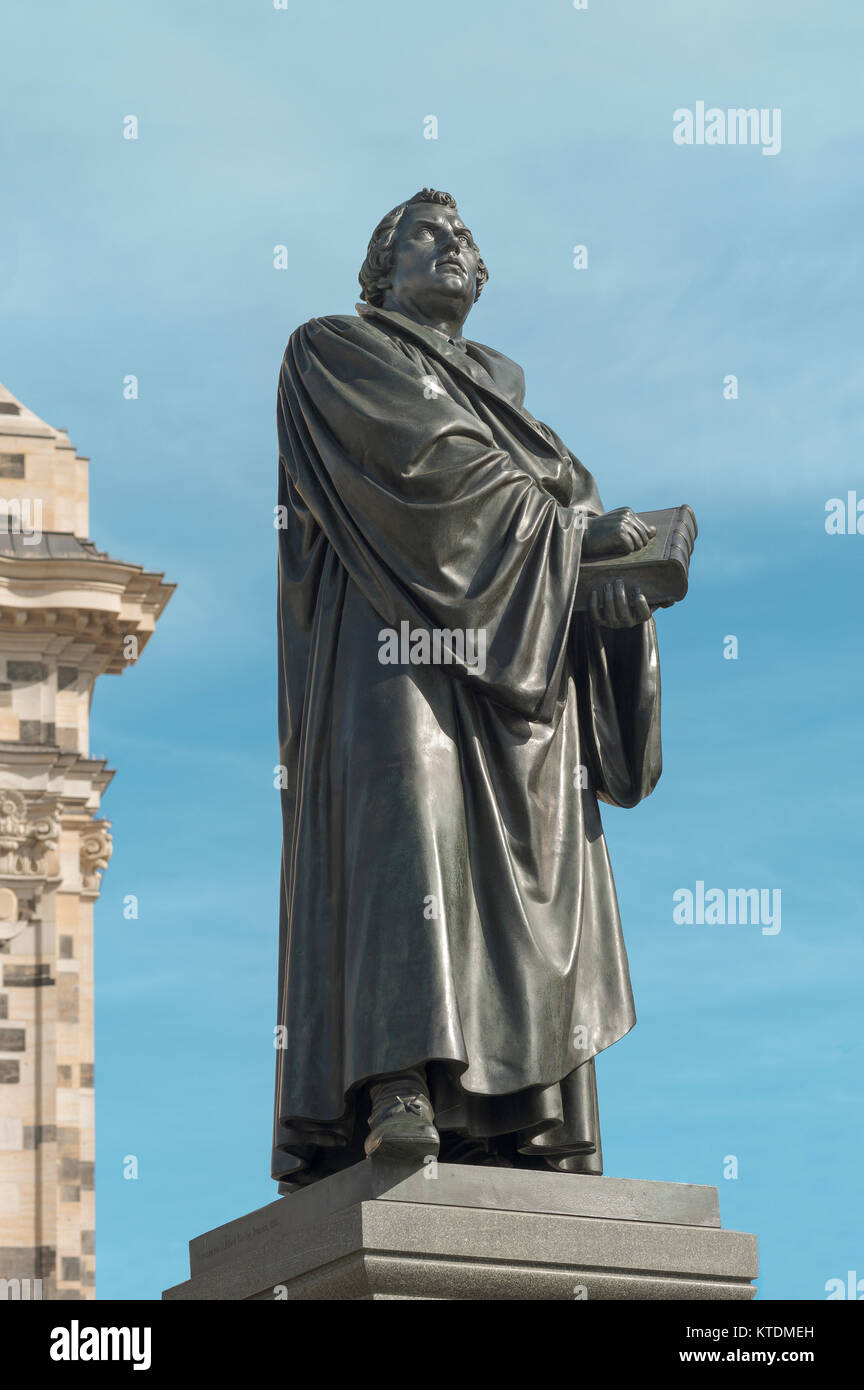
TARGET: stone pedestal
(380,1231)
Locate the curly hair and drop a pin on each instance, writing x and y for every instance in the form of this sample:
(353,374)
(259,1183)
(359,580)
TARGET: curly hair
(375,271)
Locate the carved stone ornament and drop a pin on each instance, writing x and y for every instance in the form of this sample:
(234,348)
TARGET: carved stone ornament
(28,838)
(96,850)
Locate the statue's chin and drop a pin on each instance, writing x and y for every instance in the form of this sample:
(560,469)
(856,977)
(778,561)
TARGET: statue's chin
(448,300)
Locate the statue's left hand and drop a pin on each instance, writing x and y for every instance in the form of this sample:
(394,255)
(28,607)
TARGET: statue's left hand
(618,605)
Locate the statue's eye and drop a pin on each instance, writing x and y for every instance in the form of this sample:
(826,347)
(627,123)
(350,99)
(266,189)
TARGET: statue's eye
(465,238)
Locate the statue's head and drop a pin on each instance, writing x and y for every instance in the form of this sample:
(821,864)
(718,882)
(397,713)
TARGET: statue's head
(423,260)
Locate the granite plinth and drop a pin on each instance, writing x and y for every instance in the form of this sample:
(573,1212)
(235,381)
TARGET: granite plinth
(450,1231)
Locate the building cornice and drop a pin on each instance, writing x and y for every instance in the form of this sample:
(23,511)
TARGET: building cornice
(99,601)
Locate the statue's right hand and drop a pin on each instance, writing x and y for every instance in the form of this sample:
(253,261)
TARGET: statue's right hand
(615,533)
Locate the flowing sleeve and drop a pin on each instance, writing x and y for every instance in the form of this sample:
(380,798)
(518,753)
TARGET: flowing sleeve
(433,521)
(617,673)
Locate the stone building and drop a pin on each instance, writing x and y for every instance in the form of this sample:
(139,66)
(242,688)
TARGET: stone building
(68,614)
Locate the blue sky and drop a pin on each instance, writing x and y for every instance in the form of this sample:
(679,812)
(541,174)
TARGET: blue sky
(302,127)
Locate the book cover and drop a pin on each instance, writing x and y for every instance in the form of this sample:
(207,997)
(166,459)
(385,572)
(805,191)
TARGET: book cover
(660,569)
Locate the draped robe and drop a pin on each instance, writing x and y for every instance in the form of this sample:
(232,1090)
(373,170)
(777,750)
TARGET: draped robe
(446,892)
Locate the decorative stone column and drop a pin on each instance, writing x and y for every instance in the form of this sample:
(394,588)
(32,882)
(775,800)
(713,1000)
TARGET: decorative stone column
(68,614)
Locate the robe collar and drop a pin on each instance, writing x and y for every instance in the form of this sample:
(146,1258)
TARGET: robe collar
(488,370)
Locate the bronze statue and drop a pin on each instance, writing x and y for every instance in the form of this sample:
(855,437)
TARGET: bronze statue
(451,956)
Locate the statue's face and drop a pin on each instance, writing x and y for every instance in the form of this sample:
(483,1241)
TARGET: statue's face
(435,261)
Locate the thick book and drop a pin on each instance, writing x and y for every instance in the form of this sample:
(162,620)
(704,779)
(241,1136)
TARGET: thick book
(660,568)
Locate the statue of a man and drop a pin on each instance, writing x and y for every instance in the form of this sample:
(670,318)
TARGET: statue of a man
(451,956)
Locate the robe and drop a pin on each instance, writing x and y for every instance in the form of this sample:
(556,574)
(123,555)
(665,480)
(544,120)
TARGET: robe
(446,893)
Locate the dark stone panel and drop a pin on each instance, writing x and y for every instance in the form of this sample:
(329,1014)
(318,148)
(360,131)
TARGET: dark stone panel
(4,1005)
(27,975)
(70,1194)
(26,671)
(88,1242)
(34,1135)
(12,1039)
(86,1073)
(64,1074)
(70,1269)
(88,1174)
(27,1262)
(34,731)
(11,465)
(88,1278)
(10,1072)
(67,947)
(69,1169)
(67,677)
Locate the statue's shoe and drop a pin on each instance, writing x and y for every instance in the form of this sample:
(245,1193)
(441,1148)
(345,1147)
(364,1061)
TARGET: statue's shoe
(403,1129)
